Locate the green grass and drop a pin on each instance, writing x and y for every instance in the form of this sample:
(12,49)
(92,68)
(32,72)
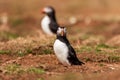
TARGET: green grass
(16,22)
(103,46)
(17,69)
(96,48)
(28,50)
(100,53)
(100,64)
(114,58)
(13,69)
(5,52)
(5,36)
(20,53)
(86,49)
(40,79)
(35,70)
(47,51)
(86,59)
(23,53)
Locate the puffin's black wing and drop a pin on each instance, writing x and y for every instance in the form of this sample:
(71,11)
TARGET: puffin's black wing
(53,26)
(72,56)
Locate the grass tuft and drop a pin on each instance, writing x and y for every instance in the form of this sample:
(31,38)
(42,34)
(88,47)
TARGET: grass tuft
(17,69)
(40,79)
(13,69)
(84,49)
(5,52)
(103,46)
(5,36)
(35,70)
(20,53)
(47,51)
(16,22)
(114,58)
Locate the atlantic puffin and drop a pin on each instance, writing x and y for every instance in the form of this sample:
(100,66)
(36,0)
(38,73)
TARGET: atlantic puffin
(63,49)
(49,23)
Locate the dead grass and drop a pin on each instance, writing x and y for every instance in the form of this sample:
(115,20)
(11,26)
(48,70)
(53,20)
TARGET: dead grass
(115,41)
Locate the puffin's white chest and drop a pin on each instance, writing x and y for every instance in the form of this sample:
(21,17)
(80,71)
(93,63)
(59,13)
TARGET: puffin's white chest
(61,51)
(45,25)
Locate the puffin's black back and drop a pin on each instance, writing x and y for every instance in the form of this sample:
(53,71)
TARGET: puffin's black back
(53,24)
(72,57)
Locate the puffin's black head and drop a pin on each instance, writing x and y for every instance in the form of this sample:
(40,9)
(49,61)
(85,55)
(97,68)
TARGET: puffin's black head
(48,10)
(61,31)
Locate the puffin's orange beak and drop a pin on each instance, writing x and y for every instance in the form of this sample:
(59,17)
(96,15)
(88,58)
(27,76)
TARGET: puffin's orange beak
(42,11)
(62,33)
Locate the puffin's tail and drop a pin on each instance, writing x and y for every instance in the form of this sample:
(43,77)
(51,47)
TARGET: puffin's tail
(78,63)
(75,61)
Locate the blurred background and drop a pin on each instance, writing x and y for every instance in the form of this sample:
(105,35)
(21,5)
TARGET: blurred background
(23,16)
(99,19)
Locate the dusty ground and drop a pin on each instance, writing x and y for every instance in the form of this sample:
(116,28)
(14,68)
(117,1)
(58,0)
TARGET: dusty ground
(51,67)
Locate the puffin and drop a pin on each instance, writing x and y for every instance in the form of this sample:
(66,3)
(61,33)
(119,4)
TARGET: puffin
(49,23)
(63,49)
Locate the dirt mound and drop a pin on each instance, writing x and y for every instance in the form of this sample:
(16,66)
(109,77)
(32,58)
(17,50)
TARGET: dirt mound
(49,65)
(114,41)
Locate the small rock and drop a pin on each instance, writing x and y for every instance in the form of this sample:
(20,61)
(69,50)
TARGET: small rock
(73,20)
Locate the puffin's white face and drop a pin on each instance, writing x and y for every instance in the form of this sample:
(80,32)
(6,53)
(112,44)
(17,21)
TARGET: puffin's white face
(61,31)
(47,10)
